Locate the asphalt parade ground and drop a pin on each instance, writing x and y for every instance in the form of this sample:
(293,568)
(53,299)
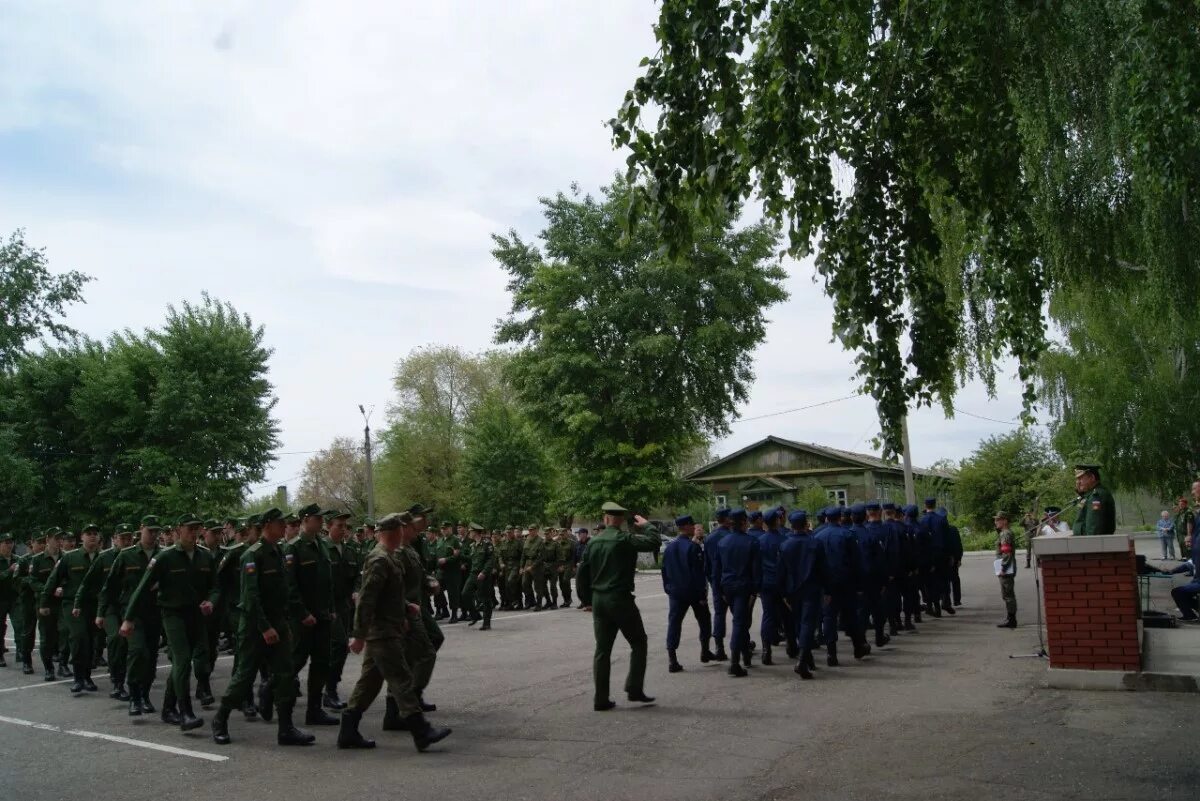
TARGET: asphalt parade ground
(940,714)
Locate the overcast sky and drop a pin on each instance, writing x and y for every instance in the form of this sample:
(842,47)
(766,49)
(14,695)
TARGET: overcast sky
(322,164)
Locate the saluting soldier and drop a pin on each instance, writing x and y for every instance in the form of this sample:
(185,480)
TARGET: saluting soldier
(92,607)
(65,583)
(605,585)
(384,621)
(1098,512)
(49,604)
(185,575)
(311,572)
(346,564)
(479,586)
(124,577)
(264,635)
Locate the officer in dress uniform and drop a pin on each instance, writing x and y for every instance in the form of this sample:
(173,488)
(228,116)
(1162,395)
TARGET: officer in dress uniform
(1098,512)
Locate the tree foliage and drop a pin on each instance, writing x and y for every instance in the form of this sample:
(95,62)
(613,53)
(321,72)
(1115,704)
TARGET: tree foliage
(506,476)
(1017,473)
(629,361)
(32,299)
(336,478)
(1123,386)
(174,419)
(953,164)
(436,389)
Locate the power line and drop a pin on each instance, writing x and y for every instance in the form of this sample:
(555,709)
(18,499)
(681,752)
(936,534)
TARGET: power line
(981,417)
(797,409)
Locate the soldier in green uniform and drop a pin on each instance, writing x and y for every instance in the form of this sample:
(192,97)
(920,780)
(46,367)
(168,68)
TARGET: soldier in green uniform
(28,603)
(66,542)
(605,585)
(533,570)
(264,635)
(229,589)
(346,564)
(213,534)
(89,603)
(431,586)
(384,622)
(566,565)
(185,575)
(550,565)
(464,565)
(64,583)
(49,605)
(450,572)
(1098,512)
(510,566)
(480,578)
(124,577)
(1006,555)
(8,594)
(311,572)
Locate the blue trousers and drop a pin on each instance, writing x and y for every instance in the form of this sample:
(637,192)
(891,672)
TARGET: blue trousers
(677,610)
(843,605)
(806,618)
(739,638)
(773,613)
(719,612)
(872,607)
(1185,599)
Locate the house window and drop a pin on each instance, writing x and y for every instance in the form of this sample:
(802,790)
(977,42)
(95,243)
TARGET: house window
(838,496)
(721,501)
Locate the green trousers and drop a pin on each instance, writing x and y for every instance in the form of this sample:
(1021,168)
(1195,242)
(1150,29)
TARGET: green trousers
(614,613)
(81,641)
(533,584)
(311,647)
(481,596)
(251,651)
(64,634)
(28,618)
(386,662)
(187,643)
(512,581)
(117,648)
(142,664)
(338,639)
(433,631)
(451,580)
(1008,594)
(564,585)
(48,636)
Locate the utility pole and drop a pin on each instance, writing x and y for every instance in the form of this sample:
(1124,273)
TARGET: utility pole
(910,489)
(370,471)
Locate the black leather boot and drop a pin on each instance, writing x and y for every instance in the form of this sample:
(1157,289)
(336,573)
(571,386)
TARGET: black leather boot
(147,706)
(391,716)
(1009,623)
(720,654)
(766,655)
(807,656)
(803,670)
(424,706)
(348,734)
(315,715)
(423,734)
(135,700)
(288,733)
(187,718)
(266,702)
(331,699)
(204,692)
(706,654)
(220,727)
(735,667)
(673,665)
(831,658)
(170,715)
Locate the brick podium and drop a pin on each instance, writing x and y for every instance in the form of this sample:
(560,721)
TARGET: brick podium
(1089,588)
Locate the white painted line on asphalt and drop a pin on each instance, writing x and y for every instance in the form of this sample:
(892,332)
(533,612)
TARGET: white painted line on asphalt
(166,749)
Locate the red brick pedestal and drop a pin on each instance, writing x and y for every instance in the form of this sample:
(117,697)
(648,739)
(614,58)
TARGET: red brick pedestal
(1089,588)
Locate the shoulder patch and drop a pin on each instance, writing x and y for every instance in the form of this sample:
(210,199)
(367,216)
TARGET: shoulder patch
(152,561)
(1096,504)
(289,558)
(250,567)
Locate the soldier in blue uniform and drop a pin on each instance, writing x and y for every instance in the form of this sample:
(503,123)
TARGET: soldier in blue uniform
(720,611)
(872,538)
(773,610)
(801,580)
(955,555)
(686,588)
(919,542)
(939,554)
(843,567)
(895,560)
(737,569)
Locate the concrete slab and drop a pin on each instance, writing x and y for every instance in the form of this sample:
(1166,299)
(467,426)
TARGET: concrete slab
(1068,679)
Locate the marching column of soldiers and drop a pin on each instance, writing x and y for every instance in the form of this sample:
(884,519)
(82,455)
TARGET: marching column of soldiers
(867,571)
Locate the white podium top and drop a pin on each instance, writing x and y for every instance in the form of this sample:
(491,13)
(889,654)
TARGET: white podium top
(1057,546)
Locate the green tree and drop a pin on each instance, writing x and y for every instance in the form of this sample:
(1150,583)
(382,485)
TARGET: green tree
(436,389)
(1122,386)
(1018,472)
(630,361)
(32,299)
(952,164)
(506,477)
(336,477)
(175,419)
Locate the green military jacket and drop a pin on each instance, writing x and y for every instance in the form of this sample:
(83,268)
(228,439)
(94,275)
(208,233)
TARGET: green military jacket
(1009,558)
(184,582)
(1097,515)
(609,561)
(229,575)
(382,611)
(483,560)
(347,566)
(68,574)
(24,587)
(414,573)
(311,572)
(87,599)
(124,578)
(9,581)
(464,559)
(566,555)
(550,556)
(41,569)
(446,546)
(266,589)
(533,552)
